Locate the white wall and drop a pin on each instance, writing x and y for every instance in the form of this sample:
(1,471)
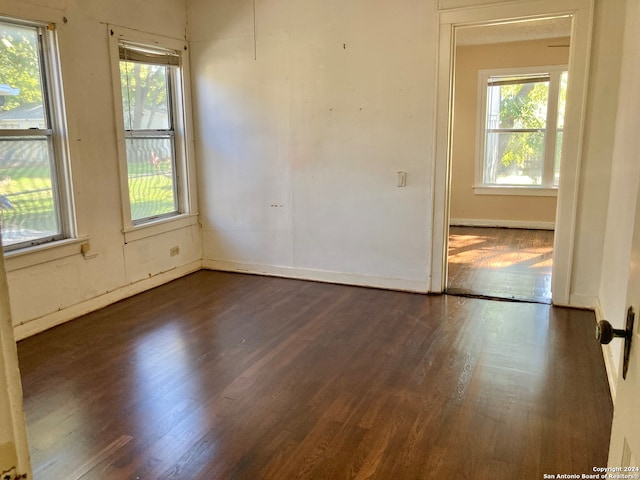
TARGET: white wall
(298,149)
(57,290)
(593,194)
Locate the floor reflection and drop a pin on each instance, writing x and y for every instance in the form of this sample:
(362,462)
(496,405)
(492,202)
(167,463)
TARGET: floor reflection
(501,263)
(166,391)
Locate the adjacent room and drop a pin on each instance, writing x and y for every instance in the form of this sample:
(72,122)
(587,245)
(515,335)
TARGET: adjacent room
(231,231)
(510,95)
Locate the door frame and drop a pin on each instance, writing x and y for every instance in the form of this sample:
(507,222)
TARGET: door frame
(579,56)
(14,448)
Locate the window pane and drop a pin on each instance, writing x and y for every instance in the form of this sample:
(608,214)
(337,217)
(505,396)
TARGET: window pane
(21,98)
(521,105)
(514,158)
(152,183)
(145,96)
(27,200)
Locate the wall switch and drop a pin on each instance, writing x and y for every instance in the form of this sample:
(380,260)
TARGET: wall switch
(402,179)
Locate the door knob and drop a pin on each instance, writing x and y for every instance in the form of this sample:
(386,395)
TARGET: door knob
(605,333)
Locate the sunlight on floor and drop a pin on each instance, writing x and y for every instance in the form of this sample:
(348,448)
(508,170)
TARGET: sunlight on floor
(473,249)
(459,241)
(548,263)
(503,263)
(493,259)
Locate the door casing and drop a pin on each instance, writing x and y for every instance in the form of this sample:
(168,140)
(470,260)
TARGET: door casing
(581,12)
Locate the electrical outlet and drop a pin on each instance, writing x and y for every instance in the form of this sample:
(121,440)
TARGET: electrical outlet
(173,251)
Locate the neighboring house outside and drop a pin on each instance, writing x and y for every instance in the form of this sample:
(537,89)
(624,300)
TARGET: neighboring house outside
(23,117)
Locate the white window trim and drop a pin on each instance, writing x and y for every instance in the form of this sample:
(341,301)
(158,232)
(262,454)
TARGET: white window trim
(510,190)
(547,188)
(157,227)
(46,252)
(53,250)
(184,163)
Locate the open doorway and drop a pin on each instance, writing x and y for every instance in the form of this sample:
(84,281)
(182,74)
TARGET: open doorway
(455,16)
(510,86)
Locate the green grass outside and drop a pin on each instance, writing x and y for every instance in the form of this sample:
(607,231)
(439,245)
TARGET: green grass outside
(33,208)
(151,196)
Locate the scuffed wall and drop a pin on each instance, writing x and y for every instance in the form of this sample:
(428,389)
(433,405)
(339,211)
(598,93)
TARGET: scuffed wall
(301,133)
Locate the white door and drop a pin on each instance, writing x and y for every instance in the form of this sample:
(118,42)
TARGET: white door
(624,450)
(14,452)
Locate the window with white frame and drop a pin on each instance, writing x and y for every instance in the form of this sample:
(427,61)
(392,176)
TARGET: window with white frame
(151,99)
(521,127)
(34,180)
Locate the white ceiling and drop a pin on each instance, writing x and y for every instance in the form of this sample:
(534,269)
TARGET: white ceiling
(514,32)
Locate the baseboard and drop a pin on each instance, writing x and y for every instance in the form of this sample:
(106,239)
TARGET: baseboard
(473,222)
(586,302)
(609,363)
(325,276)
(53,319)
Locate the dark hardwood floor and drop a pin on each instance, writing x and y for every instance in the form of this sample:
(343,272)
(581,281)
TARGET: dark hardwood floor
(505,263)
(229,376)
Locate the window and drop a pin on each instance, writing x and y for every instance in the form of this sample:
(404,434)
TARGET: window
(150,95)
(522,121)
(34,195)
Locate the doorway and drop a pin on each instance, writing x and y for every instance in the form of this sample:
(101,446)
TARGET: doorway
(509,95)
(579,12)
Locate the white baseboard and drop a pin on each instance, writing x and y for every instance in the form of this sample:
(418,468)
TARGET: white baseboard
(53,319)
(609,363)
(586,302)
(473,222)
(325,276)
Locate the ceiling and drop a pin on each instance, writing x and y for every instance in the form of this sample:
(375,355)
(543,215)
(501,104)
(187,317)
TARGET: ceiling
(515,31)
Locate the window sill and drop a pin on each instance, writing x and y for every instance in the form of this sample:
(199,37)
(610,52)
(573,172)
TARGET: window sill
(158,227)
(516,191)
(28,257)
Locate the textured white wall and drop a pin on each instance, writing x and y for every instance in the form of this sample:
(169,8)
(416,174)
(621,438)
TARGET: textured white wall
(298,148)
(595,172)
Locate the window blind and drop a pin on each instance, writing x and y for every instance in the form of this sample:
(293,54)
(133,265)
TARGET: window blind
(498,81)
(142,54)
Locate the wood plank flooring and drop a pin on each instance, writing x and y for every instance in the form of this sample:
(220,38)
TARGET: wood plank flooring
(229,376)
(505,263)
